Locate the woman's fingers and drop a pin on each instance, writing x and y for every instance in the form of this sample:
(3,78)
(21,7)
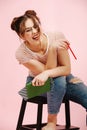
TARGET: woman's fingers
(62,44)
(36,82)
(40,79)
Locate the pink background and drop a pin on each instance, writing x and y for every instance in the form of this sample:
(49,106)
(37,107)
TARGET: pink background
(68,16)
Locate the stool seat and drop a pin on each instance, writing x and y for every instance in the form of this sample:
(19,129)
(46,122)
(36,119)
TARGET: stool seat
(40,101)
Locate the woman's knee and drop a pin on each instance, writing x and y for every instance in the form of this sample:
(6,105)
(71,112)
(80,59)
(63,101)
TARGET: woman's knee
(60,83)
(77,92)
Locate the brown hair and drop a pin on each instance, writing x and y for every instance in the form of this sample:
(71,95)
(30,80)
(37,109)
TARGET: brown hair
(18,23)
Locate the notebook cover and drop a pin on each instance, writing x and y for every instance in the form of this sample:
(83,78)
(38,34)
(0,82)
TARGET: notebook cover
(33,91)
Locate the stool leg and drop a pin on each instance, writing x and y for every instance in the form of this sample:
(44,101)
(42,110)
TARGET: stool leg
(21,115)
(67,113)
(39,116)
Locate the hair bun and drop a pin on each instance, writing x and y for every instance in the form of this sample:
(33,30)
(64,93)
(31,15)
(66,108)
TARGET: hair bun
(13,26)
(30,12)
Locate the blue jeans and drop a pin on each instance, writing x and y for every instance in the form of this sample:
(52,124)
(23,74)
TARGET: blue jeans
(76,92)
(60,87)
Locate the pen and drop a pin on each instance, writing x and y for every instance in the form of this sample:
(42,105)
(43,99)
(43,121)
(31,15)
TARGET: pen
(72,52)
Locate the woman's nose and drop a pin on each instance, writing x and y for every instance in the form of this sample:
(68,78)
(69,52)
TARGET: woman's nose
(34,30)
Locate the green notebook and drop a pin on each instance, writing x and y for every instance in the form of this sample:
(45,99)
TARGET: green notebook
(33,91)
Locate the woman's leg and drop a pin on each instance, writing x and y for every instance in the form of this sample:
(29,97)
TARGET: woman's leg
(76,90)
(58,88)
(54,100)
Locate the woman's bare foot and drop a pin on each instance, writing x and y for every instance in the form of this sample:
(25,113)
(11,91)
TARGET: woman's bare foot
(49,126)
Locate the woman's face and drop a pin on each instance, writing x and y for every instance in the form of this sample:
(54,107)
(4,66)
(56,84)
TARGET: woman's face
(32,31)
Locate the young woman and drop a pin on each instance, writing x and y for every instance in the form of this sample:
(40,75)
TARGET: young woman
(46,55)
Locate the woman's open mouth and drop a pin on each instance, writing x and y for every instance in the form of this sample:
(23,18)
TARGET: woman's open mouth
(36,37)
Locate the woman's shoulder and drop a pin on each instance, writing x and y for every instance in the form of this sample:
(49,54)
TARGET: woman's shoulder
(22,54)
(55,35)
(20,49)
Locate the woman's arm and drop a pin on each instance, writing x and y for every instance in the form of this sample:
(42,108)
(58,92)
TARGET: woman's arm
(58,66)
(58,61)
(64,66)
(35,66)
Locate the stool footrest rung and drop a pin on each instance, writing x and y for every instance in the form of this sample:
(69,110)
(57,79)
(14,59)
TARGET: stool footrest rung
(33,125)
(62,127)
(59,127)
(25,128)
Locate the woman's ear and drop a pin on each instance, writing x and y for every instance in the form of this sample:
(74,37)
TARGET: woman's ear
(21,36)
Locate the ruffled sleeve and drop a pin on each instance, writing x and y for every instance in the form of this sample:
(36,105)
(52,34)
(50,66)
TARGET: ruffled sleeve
(22,54)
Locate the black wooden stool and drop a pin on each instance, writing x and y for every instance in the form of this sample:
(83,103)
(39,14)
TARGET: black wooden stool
(41,101)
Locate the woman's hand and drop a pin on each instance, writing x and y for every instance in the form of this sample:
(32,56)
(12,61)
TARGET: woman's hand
(62,44)
(40,79)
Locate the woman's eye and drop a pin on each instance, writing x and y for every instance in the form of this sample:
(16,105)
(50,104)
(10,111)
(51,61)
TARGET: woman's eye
(28,30)
(35,26)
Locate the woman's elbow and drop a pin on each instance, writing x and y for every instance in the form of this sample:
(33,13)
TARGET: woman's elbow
(68,70)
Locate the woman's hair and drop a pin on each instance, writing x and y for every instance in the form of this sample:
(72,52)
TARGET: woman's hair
(18,23)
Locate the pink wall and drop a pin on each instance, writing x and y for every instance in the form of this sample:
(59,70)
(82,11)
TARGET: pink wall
(68,16)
